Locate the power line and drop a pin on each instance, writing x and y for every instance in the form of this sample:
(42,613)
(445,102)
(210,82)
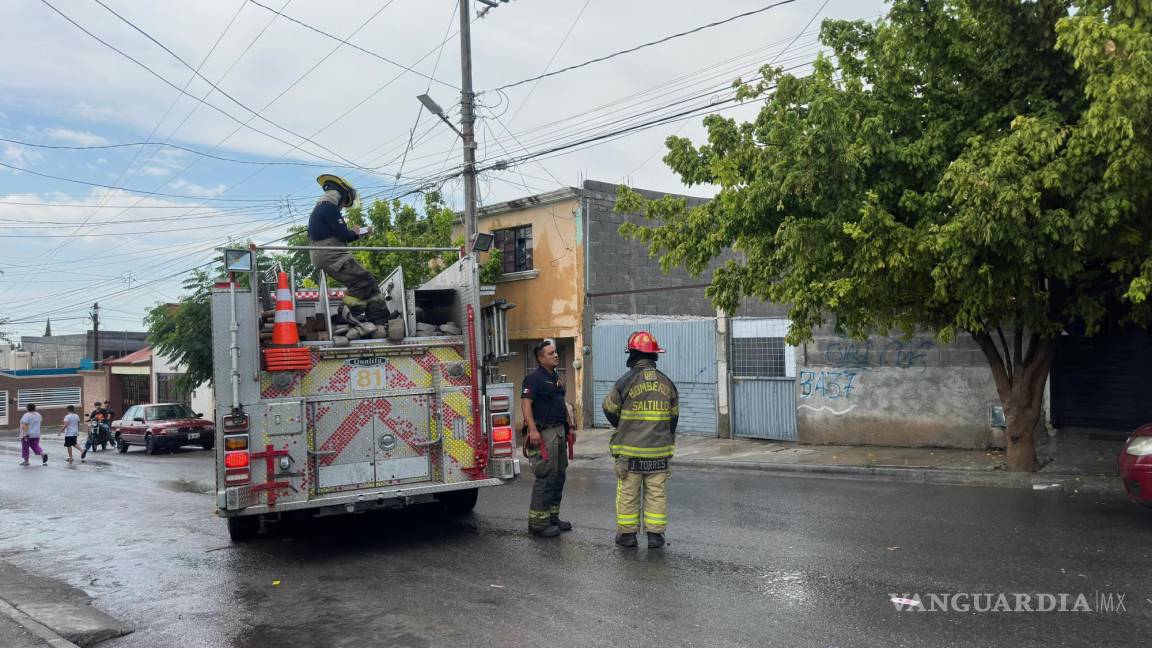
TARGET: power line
(136,191)
(431,79)
(552,59)
(196,71)
(95,147)
(644,45)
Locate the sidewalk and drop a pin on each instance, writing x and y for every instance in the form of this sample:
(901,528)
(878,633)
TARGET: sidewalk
(37,611)
(1070,462)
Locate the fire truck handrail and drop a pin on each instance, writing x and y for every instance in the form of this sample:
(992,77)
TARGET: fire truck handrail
(364,248)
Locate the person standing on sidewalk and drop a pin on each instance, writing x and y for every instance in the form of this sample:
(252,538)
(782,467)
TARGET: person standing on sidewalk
(550,427)
(70,430)
(644,407)
(30,435)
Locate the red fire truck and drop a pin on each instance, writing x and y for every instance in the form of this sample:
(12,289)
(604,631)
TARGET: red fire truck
(338,425)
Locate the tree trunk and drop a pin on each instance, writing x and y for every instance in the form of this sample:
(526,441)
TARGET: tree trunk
(1020,378)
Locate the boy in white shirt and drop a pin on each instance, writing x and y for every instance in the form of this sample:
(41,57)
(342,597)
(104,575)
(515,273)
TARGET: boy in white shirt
(30,434)
(70,430)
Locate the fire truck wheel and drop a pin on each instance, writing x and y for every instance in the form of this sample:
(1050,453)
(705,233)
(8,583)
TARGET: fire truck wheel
(150,445)
(243,529)
(459,502)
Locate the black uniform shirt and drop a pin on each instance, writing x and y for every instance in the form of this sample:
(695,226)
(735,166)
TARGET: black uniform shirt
(327,222)
(546,390)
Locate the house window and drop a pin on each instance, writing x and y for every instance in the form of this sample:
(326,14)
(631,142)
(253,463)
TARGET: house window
(515,245)
(167,390)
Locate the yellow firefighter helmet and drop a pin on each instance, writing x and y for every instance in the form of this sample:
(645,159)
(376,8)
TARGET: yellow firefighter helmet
(351,197)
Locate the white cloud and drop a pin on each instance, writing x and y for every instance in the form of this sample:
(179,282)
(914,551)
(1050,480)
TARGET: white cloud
(78,138)
(20,156)
(154,171)
(200,191)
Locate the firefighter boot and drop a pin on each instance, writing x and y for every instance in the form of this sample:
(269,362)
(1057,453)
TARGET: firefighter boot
(563,525)
(550,532)
(655,540)
(626,539)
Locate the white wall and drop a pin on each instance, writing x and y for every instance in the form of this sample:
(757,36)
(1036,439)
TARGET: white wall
(203,398)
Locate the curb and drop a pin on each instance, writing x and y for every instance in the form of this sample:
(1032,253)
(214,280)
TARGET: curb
(944,476)
(31,625)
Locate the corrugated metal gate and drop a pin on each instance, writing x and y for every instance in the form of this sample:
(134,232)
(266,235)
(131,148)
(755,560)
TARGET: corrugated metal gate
(763,380)
(690,363)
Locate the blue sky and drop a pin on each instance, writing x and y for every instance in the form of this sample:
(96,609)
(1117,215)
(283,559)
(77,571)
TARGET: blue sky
(299,103)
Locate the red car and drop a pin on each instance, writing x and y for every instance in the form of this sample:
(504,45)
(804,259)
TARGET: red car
(160,426)
(1136,465)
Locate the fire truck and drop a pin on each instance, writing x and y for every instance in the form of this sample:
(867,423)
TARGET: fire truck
(335,424)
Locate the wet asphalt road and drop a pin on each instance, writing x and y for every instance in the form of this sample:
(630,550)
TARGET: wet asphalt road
(753,560)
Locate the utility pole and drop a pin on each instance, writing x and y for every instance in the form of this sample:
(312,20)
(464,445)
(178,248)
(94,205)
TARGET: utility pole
(467,122)
(95,315)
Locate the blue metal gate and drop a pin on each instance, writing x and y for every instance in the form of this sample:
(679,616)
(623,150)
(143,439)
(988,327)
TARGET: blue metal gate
(763,380)
(690,362)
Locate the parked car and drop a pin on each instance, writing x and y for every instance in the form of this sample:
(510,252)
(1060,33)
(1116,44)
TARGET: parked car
(158,426)
(1136,465)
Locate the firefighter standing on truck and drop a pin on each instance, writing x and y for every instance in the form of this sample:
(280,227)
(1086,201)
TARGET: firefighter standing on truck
(550,433)
(326,228)
(644,407)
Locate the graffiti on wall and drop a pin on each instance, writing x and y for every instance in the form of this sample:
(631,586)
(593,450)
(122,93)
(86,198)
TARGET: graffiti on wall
(848,360)
(881,352)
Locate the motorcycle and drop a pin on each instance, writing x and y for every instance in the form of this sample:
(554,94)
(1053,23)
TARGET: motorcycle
(99,433)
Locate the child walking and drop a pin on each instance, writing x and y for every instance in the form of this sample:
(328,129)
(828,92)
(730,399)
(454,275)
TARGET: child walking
(70,429)
(30,434)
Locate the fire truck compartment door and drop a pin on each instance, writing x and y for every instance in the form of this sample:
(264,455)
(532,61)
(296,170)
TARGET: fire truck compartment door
(404,443)
(344,444)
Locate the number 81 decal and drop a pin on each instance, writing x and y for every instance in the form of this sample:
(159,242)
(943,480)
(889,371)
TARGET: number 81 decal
(373,378)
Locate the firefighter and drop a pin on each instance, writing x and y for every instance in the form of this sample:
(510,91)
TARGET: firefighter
(644,407)
(326,228)
(550,432)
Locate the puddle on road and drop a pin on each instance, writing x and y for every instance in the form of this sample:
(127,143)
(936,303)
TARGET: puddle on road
(187,486)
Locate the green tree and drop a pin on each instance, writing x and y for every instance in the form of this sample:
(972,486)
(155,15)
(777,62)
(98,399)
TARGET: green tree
(959,166)
(183,332)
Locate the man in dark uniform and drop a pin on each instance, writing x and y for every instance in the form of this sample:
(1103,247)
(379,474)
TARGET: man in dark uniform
(326,228)
(549,423)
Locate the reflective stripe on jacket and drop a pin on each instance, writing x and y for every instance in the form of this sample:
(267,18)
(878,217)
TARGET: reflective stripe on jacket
(644,407)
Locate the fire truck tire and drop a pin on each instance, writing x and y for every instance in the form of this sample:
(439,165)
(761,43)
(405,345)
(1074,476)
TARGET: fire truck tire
(459,502)
(150,445)
(243,529)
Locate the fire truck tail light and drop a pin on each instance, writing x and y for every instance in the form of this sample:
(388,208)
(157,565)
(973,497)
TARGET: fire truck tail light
(502,441)
(501,420)
(235,460)
(499,403)
(236,442)
(502,434)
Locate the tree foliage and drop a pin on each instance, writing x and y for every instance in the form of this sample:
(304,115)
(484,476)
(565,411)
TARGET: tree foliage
(960,165)
(183,332)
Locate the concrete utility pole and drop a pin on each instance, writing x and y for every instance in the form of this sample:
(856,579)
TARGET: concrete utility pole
(95,315)
(467,122)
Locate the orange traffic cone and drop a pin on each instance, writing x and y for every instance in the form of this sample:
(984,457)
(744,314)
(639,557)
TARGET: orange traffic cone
(286,354)
(284,329)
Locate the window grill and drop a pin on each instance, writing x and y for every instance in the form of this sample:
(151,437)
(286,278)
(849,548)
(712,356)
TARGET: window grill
(48,397)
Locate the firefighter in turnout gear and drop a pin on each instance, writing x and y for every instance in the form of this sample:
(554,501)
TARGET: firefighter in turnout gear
(644,407)
(550,433)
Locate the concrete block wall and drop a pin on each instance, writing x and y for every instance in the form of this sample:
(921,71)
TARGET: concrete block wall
(891,391)
(617,264)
